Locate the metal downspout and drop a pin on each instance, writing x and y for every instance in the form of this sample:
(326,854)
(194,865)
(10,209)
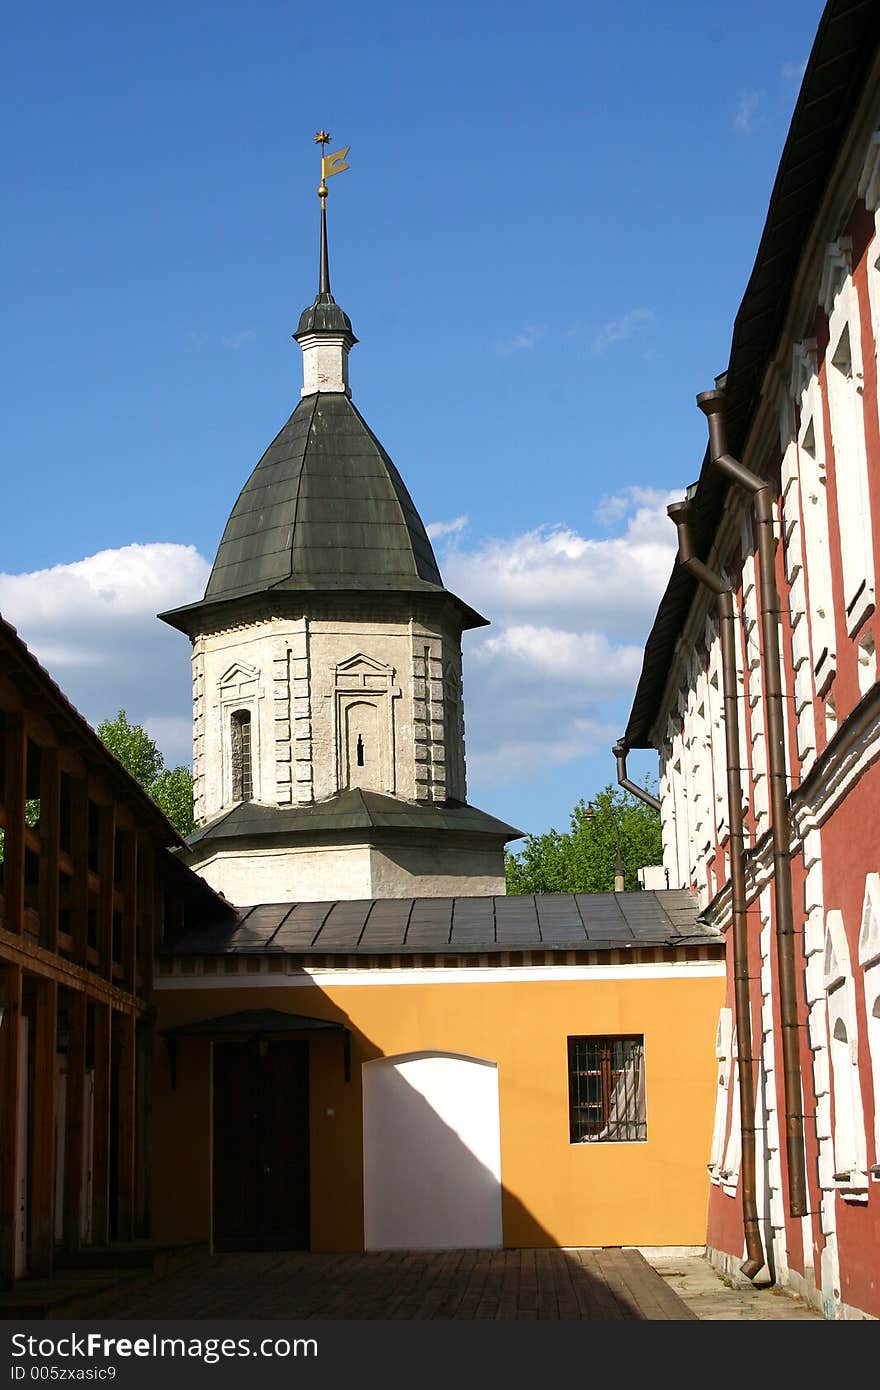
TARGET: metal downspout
(755,1261)
(712,404)
(620,751)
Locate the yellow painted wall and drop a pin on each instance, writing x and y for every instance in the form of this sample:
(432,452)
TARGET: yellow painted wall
(555,1192)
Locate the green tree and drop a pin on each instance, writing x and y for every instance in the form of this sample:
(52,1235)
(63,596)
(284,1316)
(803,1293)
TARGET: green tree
(170,787)
(581,860)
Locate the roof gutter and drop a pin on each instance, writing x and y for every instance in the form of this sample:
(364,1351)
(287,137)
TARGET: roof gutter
(620,751)
(712,404)
(755,1261)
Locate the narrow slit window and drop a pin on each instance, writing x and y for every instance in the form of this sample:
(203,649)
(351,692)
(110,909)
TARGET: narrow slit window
(242,765)
(360,751)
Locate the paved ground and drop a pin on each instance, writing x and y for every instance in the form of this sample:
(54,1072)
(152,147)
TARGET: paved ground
(712,1298)
(504,1284)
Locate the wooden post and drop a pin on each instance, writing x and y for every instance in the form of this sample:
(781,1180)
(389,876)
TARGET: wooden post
(129,908)
(42,1174)
(10,997)
(79,854)
(74,1121)
(50,826)
(124,1025)
(144,1126)
(146,941)
(106,856)
(101,1136)
(13,839)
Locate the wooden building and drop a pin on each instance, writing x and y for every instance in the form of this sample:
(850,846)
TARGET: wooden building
(86,883)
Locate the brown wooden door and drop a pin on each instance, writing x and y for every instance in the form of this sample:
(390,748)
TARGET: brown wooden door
(261,1146)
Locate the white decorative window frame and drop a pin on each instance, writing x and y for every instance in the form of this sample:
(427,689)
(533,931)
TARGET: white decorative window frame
(362,679)
(869,959)
(818,598)
(728,1174)
(850,1176)
(723,1056)
(239,690)
(869,190)
(845,408)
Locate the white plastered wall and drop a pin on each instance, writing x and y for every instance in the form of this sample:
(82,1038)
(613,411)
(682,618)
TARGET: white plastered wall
(315,873)
(432,1153)
(298,678)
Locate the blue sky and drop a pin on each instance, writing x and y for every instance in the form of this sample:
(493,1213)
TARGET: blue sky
(547,227)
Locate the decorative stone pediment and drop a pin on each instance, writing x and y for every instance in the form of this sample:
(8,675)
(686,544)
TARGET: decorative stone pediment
(803,366)
(364,672)
(238,675)
(869,182)
(835,272)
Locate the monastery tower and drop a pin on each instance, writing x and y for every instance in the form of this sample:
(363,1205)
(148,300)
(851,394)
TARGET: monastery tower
(328,732)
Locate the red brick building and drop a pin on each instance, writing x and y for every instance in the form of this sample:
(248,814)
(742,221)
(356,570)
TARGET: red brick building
(772,611)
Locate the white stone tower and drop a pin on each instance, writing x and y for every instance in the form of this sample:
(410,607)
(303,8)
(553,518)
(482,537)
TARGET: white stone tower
(328,736)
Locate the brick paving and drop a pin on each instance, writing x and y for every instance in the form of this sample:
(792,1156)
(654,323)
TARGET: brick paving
(501,1284)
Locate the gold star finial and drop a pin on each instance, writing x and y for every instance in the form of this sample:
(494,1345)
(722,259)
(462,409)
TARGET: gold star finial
(322,137)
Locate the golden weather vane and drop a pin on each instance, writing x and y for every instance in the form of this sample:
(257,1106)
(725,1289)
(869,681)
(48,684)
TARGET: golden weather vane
(330,163)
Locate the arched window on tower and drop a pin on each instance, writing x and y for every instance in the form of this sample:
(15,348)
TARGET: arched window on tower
(242,765)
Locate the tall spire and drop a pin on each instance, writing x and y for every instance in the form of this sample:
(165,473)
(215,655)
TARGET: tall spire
(324,273)
(324,331)
(330,164)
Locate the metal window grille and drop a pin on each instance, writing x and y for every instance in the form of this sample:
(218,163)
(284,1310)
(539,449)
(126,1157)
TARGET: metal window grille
(606,1090)
(242,771)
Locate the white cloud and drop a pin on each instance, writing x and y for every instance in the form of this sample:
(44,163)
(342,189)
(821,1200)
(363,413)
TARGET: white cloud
(438,529)
(234,341)
(749,115)
(546,684)
(92,624)
(521,342)
(569,616)
(794,72)
(617,330)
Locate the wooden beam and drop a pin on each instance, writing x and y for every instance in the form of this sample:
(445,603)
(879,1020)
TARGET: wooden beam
(50,829)
(106,857)
(74,1121)
(41,1186)
(13,837)
(79,856)
(101,1135)
(51,967)
(10,998)
(123,1026)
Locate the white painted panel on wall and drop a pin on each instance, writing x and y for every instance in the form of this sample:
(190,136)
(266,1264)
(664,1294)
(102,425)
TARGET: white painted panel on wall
(432,1153)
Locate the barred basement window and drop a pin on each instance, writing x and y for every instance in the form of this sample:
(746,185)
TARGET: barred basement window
(606,1090)
(242,772)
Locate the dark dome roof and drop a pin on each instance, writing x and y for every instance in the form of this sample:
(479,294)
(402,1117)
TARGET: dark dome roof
(325,508)
(325,316)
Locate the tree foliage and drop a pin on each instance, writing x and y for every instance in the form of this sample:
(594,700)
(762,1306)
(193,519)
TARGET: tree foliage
(170,787)
(581,859)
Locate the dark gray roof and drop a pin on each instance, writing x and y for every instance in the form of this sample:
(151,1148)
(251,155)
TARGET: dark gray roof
(410,926)
(843,52)
(355,809)
(324,316)
(324,509)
